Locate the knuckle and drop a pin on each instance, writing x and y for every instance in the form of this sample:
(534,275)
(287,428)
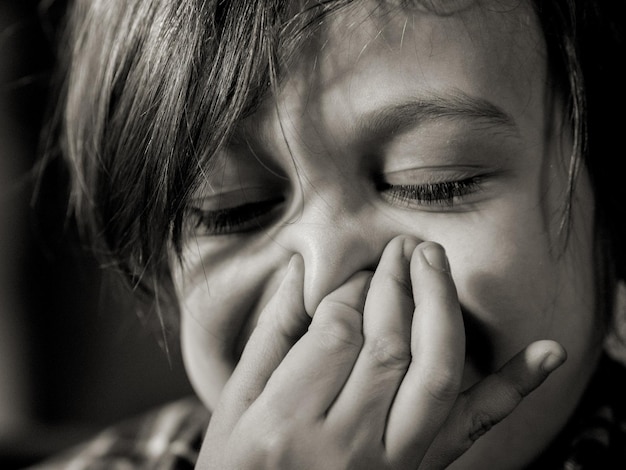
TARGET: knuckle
(389,352)
(511,390)
(338,325)
(292,327)
(481,423)
(441,384)
(272,448)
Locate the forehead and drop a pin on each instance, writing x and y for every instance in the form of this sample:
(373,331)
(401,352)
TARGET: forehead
(372,54)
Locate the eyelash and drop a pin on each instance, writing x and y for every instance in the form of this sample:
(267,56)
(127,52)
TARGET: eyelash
(239,219)
(252,216)
(444,193)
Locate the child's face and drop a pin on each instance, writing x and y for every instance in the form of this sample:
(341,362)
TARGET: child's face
(406,123)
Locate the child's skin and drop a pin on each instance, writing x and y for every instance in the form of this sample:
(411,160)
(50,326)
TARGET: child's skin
(400,98)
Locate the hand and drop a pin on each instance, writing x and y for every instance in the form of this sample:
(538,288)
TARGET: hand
(375,380)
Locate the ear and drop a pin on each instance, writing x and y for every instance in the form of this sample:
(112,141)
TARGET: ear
(615,340)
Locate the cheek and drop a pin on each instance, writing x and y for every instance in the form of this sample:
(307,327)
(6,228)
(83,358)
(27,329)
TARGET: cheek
(507,295)
(516,288)
(220,302)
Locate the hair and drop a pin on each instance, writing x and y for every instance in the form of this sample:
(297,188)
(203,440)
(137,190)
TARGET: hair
(153,88)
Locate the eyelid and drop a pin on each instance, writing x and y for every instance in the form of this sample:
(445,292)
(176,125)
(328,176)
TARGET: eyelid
(437,188)
(431,174)
(434,193)
(237,220)
(233,198)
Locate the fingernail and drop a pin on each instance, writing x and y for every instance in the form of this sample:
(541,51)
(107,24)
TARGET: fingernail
(552,361)
(435,257)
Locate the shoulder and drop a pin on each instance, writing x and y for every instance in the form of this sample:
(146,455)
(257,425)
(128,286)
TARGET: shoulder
(166,438)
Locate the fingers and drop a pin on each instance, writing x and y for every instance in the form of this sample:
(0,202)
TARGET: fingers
(493,399)
(381,364)
(385,356)
(280,325)
(433,379)
(317,366)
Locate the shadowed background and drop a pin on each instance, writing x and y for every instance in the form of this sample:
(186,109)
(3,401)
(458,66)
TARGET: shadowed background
(74,357)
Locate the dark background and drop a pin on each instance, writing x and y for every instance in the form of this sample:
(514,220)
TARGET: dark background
(74,357)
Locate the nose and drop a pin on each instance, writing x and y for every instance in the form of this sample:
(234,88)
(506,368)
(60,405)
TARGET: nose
(335,244)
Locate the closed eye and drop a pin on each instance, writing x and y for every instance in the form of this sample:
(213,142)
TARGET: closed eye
(438,195)
(239,219)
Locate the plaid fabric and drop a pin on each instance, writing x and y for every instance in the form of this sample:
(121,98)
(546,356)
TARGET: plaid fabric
(166,439)
(170,438)
(596,436)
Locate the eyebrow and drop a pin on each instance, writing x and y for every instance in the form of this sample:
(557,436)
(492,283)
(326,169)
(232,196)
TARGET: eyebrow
(397,118)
